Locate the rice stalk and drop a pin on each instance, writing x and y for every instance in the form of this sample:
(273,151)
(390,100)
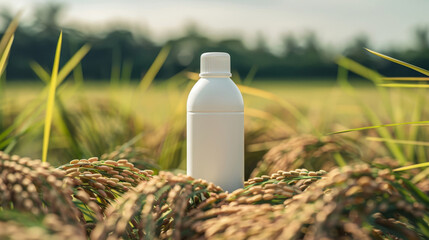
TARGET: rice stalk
(155,209)
(51,100)
(274,189)
(405,79)
(415,68)
(345,65)
(34,187)
(8,33)
(5,55)
(305,152)
(97,184)
(150,75)
(354,202)
(23,226)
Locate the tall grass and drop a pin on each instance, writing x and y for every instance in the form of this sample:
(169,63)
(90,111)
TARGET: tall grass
(412,137)
(51,99)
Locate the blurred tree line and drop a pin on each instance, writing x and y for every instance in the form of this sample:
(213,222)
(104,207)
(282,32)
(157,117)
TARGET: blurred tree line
(300,57)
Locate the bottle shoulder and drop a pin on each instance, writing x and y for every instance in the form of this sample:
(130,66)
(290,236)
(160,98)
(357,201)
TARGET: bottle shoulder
(214,95)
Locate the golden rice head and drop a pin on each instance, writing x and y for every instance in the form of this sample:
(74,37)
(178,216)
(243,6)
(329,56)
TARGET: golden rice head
(96,184)
(305,151)
(35,187)
(22,226)
(138,156)
(301,178)
(357,201)
(351,203)
(274,189)
(155,209)
(232,221)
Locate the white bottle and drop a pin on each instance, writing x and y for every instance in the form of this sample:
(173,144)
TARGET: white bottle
(215,125)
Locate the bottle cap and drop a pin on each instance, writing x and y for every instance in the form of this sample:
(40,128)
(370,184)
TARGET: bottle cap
(215,64)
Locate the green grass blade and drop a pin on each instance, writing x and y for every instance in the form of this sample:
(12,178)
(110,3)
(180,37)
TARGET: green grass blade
(420,165)
(415,132)
(51,99)
(127,69)
(250,76)
(339,159)
(415,68)
(403,85)
(65,70)
(359,69)
(363,71)
(73,62)
(409,142)
(379,126)
(406,79)
(5,55)
(115,72)
(78,75)
(154,68)
(40,72)
(65,125)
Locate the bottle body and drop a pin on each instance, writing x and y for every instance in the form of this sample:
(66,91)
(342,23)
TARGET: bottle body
(215,133)
(217,152)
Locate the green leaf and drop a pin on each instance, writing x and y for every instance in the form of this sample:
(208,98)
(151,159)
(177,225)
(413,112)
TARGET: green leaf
(73,62)
(379,126)
(399,141)
(415,191)
(359,69)
(415,68)
(51,99)
(154,68)
(40,72)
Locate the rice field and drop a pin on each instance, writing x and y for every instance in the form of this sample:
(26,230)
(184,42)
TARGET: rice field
(339,159)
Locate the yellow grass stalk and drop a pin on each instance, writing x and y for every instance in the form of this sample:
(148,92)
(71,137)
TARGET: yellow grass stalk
(360,69)
(415,143)
(420,165)
(154,68)
(5,55)
(9,32)
(415,68)
(404,85)
(40,71)
(51,99)
(406,78)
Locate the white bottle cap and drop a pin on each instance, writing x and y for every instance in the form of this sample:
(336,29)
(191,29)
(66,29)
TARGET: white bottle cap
(215,64)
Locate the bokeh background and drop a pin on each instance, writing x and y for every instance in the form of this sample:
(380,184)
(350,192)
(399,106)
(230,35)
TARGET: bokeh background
(301,65)
(280,39)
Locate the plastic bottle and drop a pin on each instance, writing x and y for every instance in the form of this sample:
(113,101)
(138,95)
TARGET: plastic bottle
(215,125)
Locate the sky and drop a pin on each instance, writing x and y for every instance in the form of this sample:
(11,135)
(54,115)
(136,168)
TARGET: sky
(387,23)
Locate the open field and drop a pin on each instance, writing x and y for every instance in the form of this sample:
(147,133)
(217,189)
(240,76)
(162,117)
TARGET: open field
(286,127)
(284,108)
(323,160)
(164,96)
